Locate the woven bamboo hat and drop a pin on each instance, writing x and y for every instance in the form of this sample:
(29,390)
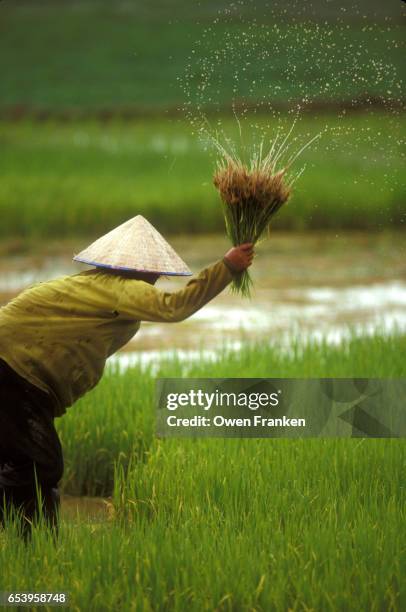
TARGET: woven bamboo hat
(135,246)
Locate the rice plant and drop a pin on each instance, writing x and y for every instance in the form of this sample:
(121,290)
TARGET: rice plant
(252,193)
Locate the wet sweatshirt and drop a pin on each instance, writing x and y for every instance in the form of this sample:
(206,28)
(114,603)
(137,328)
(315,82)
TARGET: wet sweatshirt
(58,334)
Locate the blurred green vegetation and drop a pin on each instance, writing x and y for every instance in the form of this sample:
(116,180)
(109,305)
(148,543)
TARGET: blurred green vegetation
(79,59)
(99,55)
(85,177)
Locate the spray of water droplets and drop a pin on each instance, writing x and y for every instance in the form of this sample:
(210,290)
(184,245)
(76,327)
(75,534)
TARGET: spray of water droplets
(269,69)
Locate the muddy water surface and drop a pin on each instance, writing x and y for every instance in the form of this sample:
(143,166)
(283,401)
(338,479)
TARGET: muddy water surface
(317,284)
(91,509)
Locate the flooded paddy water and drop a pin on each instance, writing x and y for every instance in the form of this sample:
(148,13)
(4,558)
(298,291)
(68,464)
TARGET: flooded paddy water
(92,509)
(306,284)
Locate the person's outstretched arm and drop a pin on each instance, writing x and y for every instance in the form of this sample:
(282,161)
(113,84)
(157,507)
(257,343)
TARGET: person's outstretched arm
(141,301)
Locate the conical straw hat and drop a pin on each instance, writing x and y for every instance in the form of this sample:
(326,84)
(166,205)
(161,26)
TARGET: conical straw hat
(134,245)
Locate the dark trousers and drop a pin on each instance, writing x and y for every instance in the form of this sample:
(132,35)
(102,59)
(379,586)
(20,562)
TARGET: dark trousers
(30,451)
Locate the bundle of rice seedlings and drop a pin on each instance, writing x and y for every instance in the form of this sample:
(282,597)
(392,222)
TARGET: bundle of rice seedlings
(251,195)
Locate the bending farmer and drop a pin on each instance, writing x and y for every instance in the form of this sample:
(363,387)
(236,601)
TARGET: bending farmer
(55,338)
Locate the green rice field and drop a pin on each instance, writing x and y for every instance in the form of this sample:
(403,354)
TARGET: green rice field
(98,110)
(141,69)
(94,55)
(225,524)
(86,177)
(116,420)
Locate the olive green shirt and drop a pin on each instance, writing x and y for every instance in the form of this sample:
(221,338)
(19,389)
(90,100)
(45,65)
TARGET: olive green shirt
(58,334)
